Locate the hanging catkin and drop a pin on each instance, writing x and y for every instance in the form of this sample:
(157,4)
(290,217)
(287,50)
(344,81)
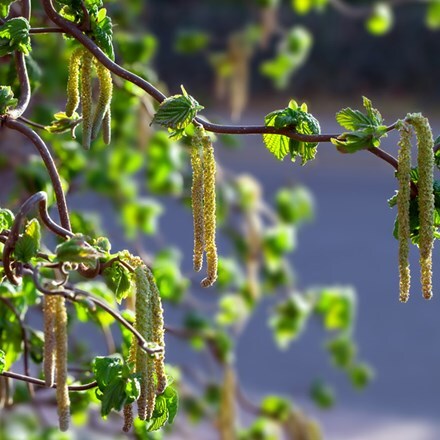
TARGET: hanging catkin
(209,212)
(425,162)
(158,333)
(107,127)
(105,97)
(49,314)
(227,413)
(403,201)
(197,197)
(128,409)
(144,362)
(73,81)
(62,394)
(86,97)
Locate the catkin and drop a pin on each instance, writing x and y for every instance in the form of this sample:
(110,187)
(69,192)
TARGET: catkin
(227,413)
(86,98)
(144,362)
(128,409)
(403,201)
(49,313)
(107,127)
(73,81)
(62,394)
(158,332)
(105,97)
(425,161)
(209,210)
(197,197)
(128,417)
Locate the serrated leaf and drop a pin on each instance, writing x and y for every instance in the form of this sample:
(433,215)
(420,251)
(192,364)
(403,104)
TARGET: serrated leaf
(299,120)
(76,250)
(177,112)
(102,30)
(28,244)
(165,409)
(117,278)
(63,123)
(14,35)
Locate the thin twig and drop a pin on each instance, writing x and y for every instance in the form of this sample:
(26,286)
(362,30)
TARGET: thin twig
(50,165)
(42,383)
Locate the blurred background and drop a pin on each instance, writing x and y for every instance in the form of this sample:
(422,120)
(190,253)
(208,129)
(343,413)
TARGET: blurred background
(242,60)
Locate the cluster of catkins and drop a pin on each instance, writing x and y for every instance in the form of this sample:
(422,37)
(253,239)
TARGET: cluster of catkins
(79,88)
(55,354)
(425,162)
(203,204)
(149,323)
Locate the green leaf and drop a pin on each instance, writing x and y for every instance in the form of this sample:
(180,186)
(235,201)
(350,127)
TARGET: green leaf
(276,408)
(177,112)
(2,361)
(14,35)
(165,409)
(367,128)
(190,41)
(141,215)
(117,386)
(337,306)
(295,205)
(6,219)
(322,395)
(77,250)
(342,350)
(433,15)
(300,121)
(63,123)
(7,99)
(381,20)
(232,309)
(361,375)
(117,277)
(103,32)
(28,244)
(4,7)
(289,319)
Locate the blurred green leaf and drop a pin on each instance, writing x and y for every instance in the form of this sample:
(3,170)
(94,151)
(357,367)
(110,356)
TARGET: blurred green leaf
(7,99)
(342,350)
(276,408)
(190,41)
(361,375)
(381,19)
(322,395)
(295,205)
(433,14)
(289,319)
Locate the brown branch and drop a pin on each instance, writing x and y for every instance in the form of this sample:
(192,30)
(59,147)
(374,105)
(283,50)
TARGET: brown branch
(46,30)
(42,383)
(50,165)
(25,88)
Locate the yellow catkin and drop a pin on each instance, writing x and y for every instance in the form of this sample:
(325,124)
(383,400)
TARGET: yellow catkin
(197,197)
(107,128)
(209,210)
(425,162)
(86,97)
(144,362)
(105,97)
(298,427)
(227,413)
(158,333)
(62,394)
(73,81)
(49,314)
(403,201)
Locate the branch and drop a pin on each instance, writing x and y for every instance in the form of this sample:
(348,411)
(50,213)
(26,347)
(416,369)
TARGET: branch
(25,88)
(50,165)
(42,383)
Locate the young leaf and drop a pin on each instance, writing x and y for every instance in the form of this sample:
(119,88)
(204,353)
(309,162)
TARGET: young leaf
(103,33)
(63,123)
(7,99)
(76,250)
(6,219)
(366,128)
(14,35)
(300,121)
(165,409)
(28,244)
(177,112)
